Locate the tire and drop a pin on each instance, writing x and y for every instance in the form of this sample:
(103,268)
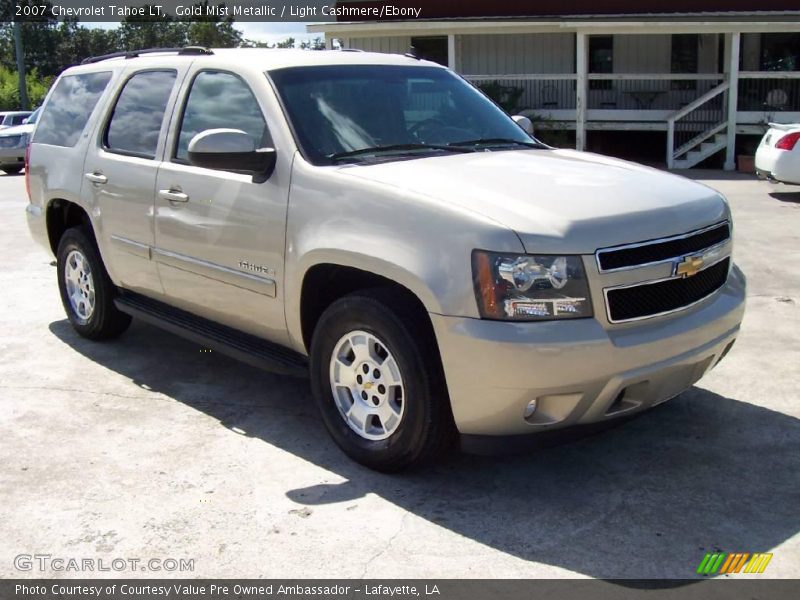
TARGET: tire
(414,424)
(87,292)
(12,170)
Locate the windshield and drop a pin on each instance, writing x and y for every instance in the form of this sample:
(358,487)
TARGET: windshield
(344,111)
(34,117)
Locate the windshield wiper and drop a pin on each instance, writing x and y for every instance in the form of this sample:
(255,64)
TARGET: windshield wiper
(397,148)
(496,142)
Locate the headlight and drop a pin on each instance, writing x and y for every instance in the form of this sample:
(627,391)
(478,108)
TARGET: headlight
(23,140)
(521,287)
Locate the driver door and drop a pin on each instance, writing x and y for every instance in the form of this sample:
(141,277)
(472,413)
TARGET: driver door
(220,236)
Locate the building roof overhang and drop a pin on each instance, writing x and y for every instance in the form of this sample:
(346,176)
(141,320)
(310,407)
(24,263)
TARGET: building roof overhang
(761,22)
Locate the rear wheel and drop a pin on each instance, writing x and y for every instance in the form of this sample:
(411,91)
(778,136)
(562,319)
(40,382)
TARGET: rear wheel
(87,292)
(12,170)
(377,379)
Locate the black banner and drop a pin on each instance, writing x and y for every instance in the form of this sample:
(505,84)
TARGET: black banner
(238,10)
(446,589)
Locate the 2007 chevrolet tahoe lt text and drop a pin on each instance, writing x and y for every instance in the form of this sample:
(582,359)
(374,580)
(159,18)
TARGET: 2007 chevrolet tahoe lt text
(379,222)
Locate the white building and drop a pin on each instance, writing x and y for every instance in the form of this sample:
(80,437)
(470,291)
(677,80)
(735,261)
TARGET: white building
(701,77)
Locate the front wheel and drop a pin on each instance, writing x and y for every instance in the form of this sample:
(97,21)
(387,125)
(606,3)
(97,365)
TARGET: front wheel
(12,170)
(377,379)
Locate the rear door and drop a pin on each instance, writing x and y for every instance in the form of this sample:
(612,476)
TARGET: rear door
(120,173)
(220,236)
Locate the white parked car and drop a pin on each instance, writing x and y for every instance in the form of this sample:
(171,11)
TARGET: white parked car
(778,154)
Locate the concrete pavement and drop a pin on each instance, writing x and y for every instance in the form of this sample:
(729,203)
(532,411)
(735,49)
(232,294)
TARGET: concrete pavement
(147,447)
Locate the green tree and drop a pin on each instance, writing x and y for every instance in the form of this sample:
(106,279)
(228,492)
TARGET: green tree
(212,31)
(52,46)
(41,42)
(255,44)
(162,31)
(214,35)
(287,43)
(316,44)
(78,43)
(37,87)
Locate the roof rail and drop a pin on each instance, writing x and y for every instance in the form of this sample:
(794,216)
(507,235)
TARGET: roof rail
(188,50)
(413,53)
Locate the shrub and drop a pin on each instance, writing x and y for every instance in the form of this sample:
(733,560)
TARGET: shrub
(506,96)
(36,85)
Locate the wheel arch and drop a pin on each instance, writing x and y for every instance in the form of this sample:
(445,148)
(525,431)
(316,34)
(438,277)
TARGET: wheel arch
(60,215)
(325,281)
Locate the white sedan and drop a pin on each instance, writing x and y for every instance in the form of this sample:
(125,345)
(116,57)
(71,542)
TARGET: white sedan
(778,154)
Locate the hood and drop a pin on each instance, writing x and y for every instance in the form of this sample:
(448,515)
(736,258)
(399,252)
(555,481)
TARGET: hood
(558,200)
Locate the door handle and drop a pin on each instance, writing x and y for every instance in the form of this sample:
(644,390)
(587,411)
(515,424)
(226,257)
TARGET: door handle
(96,177)
(173,195)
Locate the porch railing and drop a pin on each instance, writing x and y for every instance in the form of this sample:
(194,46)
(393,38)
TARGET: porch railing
(769,91)
(698,121)
(646,92)
(659,94)
(540,93)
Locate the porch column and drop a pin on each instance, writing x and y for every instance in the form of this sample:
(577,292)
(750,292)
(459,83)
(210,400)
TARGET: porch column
(732,45)
(452,58)
(581,68)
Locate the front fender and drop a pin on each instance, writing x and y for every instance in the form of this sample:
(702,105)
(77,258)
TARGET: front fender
(338,217)
(357,260)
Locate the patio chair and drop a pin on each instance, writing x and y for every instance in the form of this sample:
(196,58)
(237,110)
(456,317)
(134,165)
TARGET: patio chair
(777,99)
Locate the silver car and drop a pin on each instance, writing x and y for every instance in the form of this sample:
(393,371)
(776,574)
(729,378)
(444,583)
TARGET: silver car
(12,118)
(377,223)
(14,142)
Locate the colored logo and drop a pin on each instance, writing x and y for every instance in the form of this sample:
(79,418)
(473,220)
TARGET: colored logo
(689,266)
(722,563)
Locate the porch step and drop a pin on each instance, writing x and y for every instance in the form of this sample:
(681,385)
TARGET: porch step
(703,151)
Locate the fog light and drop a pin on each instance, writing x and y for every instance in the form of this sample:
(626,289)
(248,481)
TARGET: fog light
(530,409)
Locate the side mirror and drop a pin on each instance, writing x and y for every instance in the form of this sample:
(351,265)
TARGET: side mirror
(231,150)
(524,122)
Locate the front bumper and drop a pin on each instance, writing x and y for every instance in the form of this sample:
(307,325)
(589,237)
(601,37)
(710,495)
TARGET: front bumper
(578,371)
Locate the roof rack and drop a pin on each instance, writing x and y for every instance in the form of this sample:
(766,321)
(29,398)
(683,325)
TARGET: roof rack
(413,53)
(187,51)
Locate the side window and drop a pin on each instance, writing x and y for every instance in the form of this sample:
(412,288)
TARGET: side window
(220,100)
(135,124)
(69,108)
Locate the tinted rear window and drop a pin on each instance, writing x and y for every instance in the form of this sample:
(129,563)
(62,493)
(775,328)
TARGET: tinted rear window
(136,122)
(69,108)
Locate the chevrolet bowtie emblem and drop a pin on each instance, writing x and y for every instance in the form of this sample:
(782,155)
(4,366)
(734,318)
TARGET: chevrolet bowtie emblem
(367,385)
(689,266)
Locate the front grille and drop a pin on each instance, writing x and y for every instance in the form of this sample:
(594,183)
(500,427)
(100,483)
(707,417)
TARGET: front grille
(9,141)
(650,299)
(645,253)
